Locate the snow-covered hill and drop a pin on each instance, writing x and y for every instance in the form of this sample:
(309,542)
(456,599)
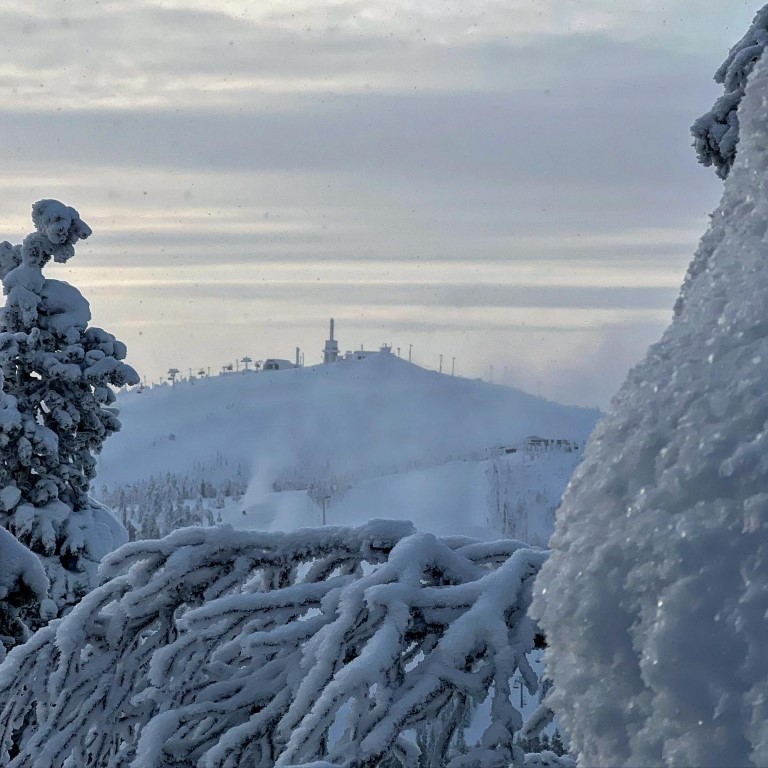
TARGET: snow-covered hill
(379,437)
(515,494)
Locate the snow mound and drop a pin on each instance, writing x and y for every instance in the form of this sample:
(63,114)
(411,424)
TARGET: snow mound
(655,598)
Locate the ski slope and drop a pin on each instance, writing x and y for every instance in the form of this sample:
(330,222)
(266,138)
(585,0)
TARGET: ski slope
(380,436)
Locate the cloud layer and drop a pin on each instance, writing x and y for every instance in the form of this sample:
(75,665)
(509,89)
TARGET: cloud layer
(505,182)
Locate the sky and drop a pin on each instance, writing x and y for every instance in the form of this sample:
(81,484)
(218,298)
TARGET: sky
(507,184)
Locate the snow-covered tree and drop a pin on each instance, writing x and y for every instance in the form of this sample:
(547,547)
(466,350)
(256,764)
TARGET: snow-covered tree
(335,647)
(716,133)
(59,373)
(23,584)
(654,599)
(152,508)
(524,491)
(23,590)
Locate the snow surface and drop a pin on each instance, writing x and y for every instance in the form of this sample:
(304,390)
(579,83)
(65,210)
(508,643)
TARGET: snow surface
(380,436)
(451,498)
(655,597)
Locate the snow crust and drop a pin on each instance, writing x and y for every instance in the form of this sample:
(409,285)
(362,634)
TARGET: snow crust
(655,597)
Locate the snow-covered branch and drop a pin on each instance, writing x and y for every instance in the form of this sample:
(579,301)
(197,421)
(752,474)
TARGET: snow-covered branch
(222,648)
(716,133)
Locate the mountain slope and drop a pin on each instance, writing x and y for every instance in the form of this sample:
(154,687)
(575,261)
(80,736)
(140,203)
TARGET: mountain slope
(331,428)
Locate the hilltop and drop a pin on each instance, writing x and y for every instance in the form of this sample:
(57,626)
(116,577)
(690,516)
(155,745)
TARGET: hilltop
(378,436)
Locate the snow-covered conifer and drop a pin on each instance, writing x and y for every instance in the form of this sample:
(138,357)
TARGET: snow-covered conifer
(322,647)
(23,591)
(58,372)
(23,584)
(716,133)
(654,599)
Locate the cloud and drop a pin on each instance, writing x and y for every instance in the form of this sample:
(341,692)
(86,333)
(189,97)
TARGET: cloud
(207,56)
(393,295)
(520,165)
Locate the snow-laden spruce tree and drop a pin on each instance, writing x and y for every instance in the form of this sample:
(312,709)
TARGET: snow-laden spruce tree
(327,647)
(23,584)
(23,590)
(58,372)
(716,132)
(655,597)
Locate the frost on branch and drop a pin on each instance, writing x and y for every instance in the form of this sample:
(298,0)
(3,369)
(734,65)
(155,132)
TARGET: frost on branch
(59,374)
(223,648)
(716,133)
(655,597)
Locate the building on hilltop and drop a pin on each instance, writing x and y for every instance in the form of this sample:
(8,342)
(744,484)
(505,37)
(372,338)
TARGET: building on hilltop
(331,349)
(533,442)
(276,364)
(361,354)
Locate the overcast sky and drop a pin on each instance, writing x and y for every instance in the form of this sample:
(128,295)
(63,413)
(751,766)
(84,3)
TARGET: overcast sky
(506,183)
